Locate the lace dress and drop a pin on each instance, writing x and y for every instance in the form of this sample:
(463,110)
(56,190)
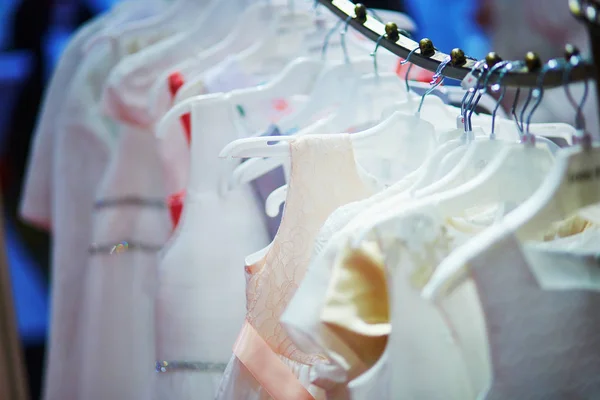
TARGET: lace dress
(266,364)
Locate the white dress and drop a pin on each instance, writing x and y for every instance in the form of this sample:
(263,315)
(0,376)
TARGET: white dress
(131,224)
(266,364)
(201,293)
(302,317)
(538,338)
(71,151)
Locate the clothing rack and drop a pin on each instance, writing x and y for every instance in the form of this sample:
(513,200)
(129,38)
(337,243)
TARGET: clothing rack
(357,17)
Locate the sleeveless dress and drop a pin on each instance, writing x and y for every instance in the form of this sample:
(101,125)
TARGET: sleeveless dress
(302,317)
(130,225)
(68,154)
(266,364)
(538,339)
(199,297)
(355,314)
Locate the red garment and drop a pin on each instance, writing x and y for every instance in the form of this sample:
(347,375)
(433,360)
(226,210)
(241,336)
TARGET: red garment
(175,204)
(176,81)
(175,201)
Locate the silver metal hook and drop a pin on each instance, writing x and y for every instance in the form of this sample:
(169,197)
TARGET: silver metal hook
(374,55)
(504,66)
(580,124)
(538,93)
(513,111)
(328,37)
(403,62)
(436,77)
(501,65)
(524,109)
(505,69)
(343,39)
(474,91)
(498,103)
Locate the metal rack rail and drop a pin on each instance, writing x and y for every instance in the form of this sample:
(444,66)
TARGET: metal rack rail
(430,58)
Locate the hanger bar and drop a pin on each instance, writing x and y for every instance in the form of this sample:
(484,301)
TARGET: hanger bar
(374,29)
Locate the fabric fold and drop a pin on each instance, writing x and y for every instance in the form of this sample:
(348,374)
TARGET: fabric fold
(262,362)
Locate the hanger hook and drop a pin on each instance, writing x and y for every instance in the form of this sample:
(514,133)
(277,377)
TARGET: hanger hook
(403,62)
(532,63)
(374,55)
(524,109)
(580,123)
(474,91)
(343,39)
(506,67)
(538,93)
(328,37)
(437,80)
(513,111)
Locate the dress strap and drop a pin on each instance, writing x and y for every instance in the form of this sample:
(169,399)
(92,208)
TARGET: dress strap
(266,367)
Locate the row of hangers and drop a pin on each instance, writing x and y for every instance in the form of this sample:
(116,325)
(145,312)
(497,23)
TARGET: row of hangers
(268,153)
(567,178)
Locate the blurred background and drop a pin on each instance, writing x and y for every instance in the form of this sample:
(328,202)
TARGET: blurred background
(33,33)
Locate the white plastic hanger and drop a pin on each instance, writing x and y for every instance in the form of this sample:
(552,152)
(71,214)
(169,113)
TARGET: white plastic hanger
(464,161)
(275,200)
(208,28)
(179,11)
(339,121)
(470,160)
(367,101)
(522,167)
(314,39)
(428,172)
(260,19)
(324,98)
(327,95)
(519,167)
(374,142)
(572,185)
(459,162)
(280,87)
(287,41)
(400,137)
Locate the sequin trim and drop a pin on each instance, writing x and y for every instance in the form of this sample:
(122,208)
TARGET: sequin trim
(171,366)
(130,202)
(122,247)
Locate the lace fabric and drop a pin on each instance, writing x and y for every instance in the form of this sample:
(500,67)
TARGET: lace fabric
(323,176)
